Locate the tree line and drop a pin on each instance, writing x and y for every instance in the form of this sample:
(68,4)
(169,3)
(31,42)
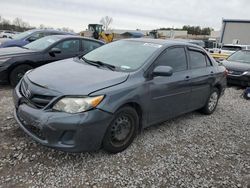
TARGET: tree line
(193,30)
(16,25)
(19,25)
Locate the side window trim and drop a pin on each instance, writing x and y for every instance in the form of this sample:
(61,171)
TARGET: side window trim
(209,62)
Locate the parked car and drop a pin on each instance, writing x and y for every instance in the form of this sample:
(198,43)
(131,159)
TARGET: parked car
(15,61)
(113,92)
(238,66)
(26,37)
(7,34)
(227,50)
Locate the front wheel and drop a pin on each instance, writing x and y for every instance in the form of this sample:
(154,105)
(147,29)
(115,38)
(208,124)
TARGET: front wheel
(17,73)
(212,102)
(122,130)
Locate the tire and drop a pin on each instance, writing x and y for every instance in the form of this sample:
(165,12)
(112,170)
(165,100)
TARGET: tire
(122,130)
(17,73)
(212,102)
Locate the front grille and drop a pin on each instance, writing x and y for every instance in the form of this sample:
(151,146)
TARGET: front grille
(33,99)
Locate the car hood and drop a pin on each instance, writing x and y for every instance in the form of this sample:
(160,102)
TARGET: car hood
(74,77)
(237,66)
(14,51)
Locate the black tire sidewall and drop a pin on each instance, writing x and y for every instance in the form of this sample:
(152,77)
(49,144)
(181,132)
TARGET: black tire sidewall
(107,143)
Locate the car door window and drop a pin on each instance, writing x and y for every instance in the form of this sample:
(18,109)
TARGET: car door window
(175,58)
(88,45)
(68,46)
(36,36)
(197,60)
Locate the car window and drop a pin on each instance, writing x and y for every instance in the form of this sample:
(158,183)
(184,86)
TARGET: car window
(88,45)
(197,60)
(240,56)
(175,58)
(37,35)
(69,46)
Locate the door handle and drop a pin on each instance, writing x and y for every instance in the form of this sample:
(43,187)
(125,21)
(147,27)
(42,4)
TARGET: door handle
(187,77)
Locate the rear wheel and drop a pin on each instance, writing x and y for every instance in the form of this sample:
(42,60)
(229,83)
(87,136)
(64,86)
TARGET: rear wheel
(122,130)
(212,102)
(17,73)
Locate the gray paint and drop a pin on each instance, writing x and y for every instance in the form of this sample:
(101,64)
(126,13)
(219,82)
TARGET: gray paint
(159,98)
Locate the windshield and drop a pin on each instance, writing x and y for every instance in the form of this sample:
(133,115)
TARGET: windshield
(43,43)
(124,55)
(22,35)
(240,56)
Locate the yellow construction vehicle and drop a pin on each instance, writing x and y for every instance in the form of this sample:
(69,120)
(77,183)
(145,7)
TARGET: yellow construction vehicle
(96,31)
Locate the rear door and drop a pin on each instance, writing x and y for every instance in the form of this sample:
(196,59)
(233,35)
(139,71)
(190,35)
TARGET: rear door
(88,45)
(170,96)
(202,77)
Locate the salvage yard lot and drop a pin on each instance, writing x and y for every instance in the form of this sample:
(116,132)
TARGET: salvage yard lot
(189,151)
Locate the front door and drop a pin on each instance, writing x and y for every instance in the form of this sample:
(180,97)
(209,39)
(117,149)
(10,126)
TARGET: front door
(170,96)
(69,48)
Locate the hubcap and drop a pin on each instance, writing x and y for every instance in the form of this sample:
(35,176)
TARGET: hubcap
(212,101)
(20,75)
(121,129)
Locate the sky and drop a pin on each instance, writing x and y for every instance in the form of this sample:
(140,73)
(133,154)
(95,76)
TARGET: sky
(126,14)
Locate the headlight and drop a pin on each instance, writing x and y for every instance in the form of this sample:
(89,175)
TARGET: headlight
(245,73)
(77,104)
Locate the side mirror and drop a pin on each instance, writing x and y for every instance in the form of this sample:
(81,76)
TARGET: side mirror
(54,51)
(163,71)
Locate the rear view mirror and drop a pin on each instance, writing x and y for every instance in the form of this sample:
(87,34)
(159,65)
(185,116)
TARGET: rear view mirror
(163,71)
(54,51)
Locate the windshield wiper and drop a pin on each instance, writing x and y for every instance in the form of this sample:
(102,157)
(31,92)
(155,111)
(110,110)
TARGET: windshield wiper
(99,64)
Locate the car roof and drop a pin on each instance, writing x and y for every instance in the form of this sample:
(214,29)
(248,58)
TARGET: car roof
(164,42)
(50,30)
(76,37)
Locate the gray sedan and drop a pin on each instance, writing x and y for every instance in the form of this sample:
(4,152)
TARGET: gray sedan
(105,98)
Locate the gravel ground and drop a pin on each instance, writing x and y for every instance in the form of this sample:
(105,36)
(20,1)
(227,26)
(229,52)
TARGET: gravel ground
(190,151)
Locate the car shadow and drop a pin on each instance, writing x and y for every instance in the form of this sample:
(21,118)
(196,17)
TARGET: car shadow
(5,87)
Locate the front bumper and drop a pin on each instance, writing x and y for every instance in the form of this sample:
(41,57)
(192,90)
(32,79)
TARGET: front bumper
(243,80)
(68,132)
